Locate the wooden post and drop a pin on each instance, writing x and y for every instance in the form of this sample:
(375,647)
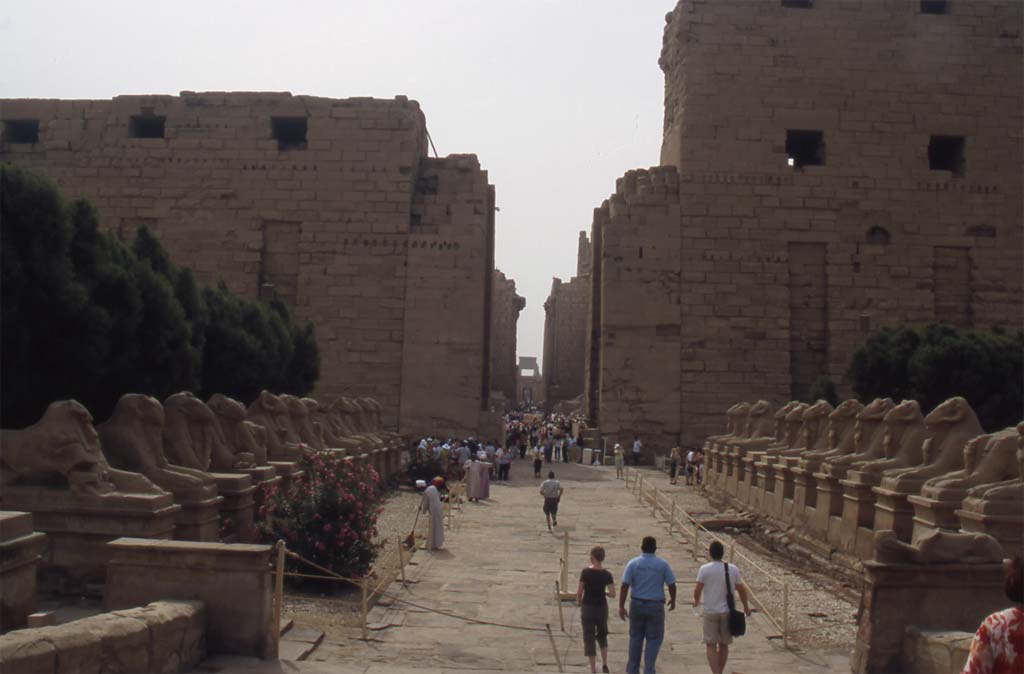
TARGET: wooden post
(672,517)
(696,541)
(785,615)
(565,559)
(640,488)
(554,648)
(401,562)
(278,590)
(654,503)
(364,605)
(558,600)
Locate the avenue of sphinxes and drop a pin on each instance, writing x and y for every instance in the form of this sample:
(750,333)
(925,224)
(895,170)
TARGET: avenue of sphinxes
(296,381)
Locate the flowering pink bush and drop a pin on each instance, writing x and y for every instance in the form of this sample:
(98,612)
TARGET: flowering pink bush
(329,516)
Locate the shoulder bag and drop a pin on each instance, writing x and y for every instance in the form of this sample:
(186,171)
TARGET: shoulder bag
(737,621)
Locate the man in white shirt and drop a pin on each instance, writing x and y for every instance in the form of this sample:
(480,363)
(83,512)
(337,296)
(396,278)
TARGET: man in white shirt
(711,583)
(637,446)
(689,467)
(551,490)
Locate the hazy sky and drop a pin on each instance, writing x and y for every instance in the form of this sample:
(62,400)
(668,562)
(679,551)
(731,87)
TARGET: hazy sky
(558,98)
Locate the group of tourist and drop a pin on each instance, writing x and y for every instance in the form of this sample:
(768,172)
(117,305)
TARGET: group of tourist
(644,581)
(691,463)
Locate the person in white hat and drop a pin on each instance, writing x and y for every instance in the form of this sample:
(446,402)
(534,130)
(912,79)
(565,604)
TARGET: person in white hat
(619,460)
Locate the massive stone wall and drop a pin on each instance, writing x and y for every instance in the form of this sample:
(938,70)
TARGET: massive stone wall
(635,355)
(841,166)
(506,305)
(565,328)
(330,203)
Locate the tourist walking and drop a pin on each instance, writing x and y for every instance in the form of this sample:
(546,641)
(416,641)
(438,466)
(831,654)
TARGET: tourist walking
(637,446)
(538,461)
(595,586)
(619,460)
(504,457)
(998,645)
(551,490)
(673,465)
(549,448)
(645,579)
(690,468)
(431,504)
(715,582)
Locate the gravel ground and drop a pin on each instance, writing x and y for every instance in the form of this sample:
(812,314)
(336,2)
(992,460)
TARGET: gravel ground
(338,615)
(819,614)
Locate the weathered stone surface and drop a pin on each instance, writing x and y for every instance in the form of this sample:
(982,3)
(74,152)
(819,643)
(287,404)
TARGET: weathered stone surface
(231,580)
(20,549)
(935,651)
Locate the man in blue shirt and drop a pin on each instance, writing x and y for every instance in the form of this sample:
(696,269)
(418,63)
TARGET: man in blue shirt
(646,576)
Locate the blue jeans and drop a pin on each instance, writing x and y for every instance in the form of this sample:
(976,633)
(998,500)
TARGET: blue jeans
(646,621)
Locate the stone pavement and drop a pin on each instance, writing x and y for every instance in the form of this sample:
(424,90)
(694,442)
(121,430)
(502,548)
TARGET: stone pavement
(500,565)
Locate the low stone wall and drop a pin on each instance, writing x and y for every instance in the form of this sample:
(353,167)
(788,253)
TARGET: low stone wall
(935,651)
(233,581)
(165,636)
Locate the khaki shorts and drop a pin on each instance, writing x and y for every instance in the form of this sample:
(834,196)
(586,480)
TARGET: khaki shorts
(716,629)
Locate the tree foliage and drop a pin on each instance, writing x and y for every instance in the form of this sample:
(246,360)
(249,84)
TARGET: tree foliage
(936,362)
(86,317)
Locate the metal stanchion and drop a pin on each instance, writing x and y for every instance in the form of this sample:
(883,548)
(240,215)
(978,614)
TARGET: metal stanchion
(401,562)
(696,540)
(672,517)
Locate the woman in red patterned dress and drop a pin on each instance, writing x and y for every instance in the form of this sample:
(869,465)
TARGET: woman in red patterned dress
(998,645)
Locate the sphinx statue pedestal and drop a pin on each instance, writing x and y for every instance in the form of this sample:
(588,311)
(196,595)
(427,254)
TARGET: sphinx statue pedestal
(20,550)
(288,472)
(931,596)
(1002,520)
(237,509)
(79,527)
(858,524)
(828,510)
(931,514)
(199,517)
(893,511)
(805,496)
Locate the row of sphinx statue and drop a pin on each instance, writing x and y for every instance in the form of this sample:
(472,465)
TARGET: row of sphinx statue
(147,447)
(842,473)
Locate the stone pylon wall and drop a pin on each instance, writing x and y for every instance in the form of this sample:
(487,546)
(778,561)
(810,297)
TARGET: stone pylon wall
(353,227)
(506,305)
(784,269)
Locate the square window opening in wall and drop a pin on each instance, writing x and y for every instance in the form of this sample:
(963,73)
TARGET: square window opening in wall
(289,132)
(21,130)
(148,126)
(934,7)
(798,4)
(805,148)
(946,153)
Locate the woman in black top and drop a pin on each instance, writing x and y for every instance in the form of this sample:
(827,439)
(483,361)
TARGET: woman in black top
(596,585)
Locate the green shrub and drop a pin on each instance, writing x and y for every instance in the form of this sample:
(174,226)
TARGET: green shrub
(936,362)
(329,516)
(823,389)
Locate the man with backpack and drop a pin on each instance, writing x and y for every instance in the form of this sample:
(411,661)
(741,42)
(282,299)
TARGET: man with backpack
(716,581)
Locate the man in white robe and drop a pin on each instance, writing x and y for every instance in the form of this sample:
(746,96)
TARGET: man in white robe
(431,504)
